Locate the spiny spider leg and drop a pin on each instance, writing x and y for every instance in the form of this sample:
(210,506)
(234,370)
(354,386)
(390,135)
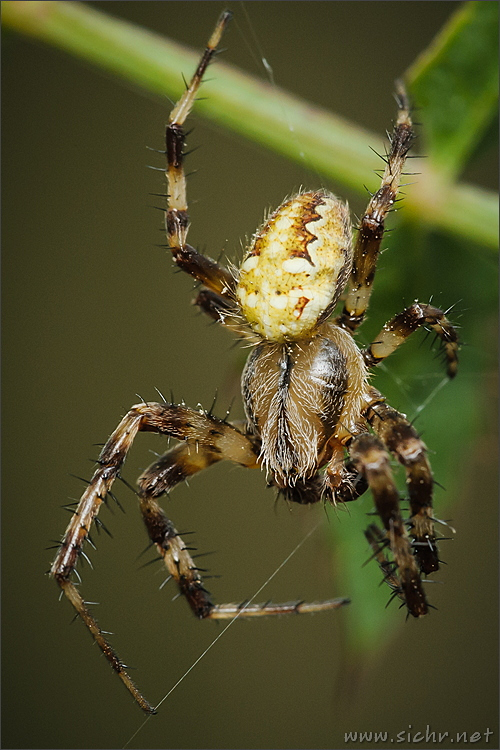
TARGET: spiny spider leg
(305,387)
(79,604)
(223,311)
(371,230)
(378,543)
(206,441)
(170,469)
(168,419)
(204,269)
(404,443)
(342,483)
(370,458)
(213,305)
(397,330)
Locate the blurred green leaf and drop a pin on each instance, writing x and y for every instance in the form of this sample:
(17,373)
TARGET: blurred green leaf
(455,85)
(335,147)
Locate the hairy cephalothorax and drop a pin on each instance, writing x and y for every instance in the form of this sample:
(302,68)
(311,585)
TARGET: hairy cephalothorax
(300,398)
(314,425)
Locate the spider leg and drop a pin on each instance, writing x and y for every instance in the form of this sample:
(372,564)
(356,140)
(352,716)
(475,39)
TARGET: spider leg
(397,330)
(173,467)
(403,442)
(76,599)
(221,441)
(176,465)
(371,230)
(371,460)
(206,440)
(224,311)
(378,542)
(342,483)
(352,485)
(206,270)
(214,305)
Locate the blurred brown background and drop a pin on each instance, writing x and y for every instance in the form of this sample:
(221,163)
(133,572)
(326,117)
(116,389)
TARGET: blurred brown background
(93,314)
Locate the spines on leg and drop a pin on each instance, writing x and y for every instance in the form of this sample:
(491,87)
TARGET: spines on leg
(229,611)
(397,330)
(175,554)
(76,600)
(403,441)
(372,225)
(370,458)
(188,425)
(204,269)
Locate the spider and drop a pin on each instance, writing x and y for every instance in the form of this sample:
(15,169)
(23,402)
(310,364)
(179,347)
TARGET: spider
(313,422)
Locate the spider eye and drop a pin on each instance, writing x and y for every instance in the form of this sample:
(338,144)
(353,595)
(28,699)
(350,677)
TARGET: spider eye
(296,267)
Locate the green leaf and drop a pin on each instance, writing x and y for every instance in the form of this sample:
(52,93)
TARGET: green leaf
(335,147)
(443,410)
(454,84)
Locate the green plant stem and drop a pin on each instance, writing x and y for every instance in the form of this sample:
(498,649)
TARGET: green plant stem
(324,142)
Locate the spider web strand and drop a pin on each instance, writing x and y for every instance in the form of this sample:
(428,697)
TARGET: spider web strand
(247,604)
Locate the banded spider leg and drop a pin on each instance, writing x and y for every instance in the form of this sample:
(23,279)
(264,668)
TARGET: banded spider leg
(393,429)
(205,439)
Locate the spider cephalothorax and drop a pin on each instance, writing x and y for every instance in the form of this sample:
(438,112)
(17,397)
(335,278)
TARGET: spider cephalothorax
(313,423)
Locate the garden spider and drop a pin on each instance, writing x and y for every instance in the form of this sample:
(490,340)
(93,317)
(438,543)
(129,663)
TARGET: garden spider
(313,423)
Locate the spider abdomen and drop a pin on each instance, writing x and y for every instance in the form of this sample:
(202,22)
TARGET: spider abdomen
(296,267)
